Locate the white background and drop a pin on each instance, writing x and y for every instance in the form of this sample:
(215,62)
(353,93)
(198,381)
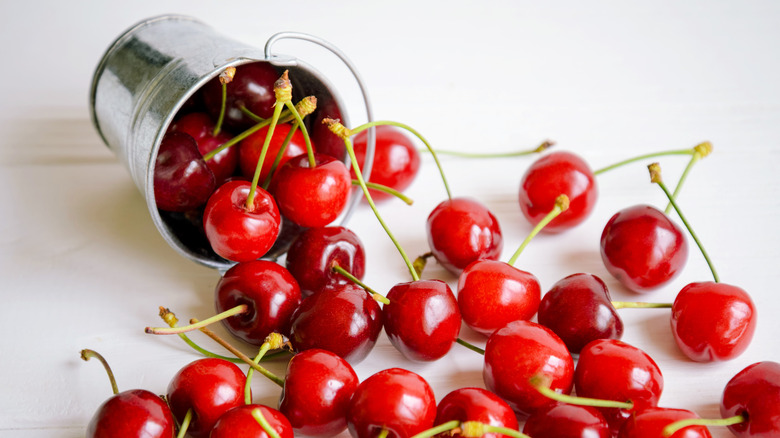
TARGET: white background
(82,264)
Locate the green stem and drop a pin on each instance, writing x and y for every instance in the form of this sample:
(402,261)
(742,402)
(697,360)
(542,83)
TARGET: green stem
(250,200)
(389,190)
(542,147)
(694,159)
(279,155)
(203,351)
(241,308)
(374,294)
(470,346)
(677,425)
(487,428)
(645,157)
(255,118)
(383,433)
(221,118)
(639,305)
(258,416)
(444,427)
(248,385)
(87,354)
(561,204)
(305,132)
(185,423)
(418,135)
(580,401)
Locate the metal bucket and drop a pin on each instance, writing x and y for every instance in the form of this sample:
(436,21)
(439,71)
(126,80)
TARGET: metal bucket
(148,74)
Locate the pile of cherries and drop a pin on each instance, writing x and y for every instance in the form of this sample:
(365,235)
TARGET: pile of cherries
(285,177)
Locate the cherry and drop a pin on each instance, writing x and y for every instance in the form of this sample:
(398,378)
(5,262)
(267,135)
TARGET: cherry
(241,422)
(207,388)
(182,180)
(342,319)
(396,400)
(549,176)
(321,135)
(754,395)
(578,309)
(651,422)
(396,159)
(475,404)
(236,231)
(312,196)
(250,149)
(522,350)
(200,126)
(270,293)
(461,231)
(642,248)
(563,420)
(318,387)
(422,320)
(316,250)
(252,88)
(610,369)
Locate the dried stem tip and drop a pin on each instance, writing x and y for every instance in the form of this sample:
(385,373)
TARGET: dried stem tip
(544,146)
(168,316)
(227,76)
(306,106)
(562,202)
(275,341)
(283,88)
(655,172)
(337,128)
(703,149)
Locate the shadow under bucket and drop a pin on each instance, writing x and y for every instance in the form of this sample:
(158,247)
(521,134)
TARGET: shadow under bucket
(152,70)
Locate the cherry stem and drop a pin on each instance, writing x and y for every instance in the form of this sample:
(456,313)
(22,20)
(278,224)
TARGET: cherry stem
(655,176)
(241,355)
(258,416)
(561,205)
(185,423)
(418,135)
(421,261)
(273,341)
(470,346)
(250,114)
(541,386)
(701,151)
(689,151)
(469,429)
(504,431)
(389,190)
(224,78)
(279,155)
(304,131)
(383,433)
(537,150)
(88,354)
(241,308)
(677,425)
(374,294)
(639,305)
(444,427)
(250,200)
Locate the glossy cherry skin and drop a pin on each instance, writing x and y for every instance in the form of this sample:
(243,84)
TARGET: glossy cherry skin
(395,399)
(312,196)
(713,321)
(235,232)
(201,127)
(136,413)
(476,404)
(492,294)
(342,319)
(317,389)
(182,180)
(252,87)
(461,231)
(396,159)
(270,292)
(578,309)
(239,422)
(422,320)
(210,387)
(250,148)
(562,420)
(610,369)
(650,423)
(520,351)
(642,248)
(754,393)
(548,177)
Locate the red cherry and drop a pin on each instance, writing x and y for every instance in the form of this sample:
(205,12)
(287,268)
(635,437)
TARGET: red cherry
(396,159)
(312,196)
(250,148)
(270,292)
(201,128)
(553,174)
(610,369)
(579,309)
(520,351)
(252,87)
(394,399)
(461,231)
(239,422)
(210,387)
(476,404)
(135,413)
(342,319)
(317,390)
(327,142)
(562,420)
(235,232)
(422,319)
(650,423)
(754,393)
(713,321)
(492,294)
(315,251)
(182,180)
(643,248)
